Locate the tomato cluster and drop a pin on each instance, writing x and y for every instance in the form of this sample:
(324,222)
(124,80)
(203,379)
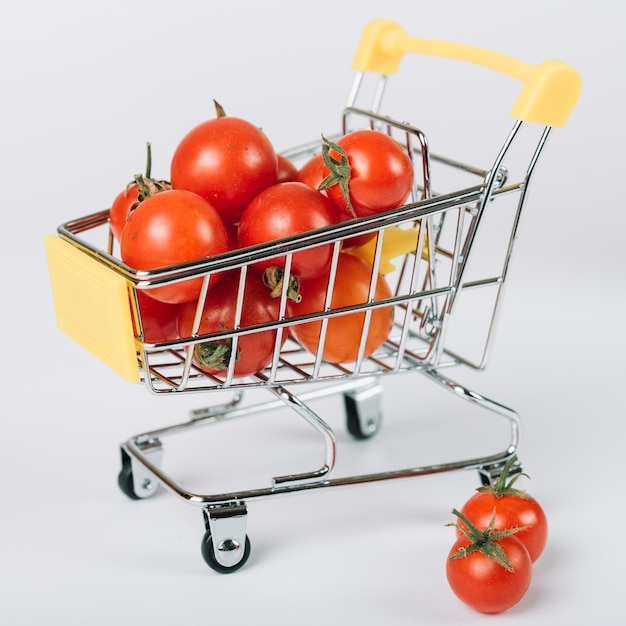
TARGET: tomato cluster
(501,531)
(229,189)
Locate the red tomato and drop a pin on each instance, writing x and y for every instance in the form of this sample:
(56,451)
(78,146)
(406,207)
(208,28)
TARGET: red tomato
(226,160)
(289,209)
(124,201)
(169,228)
(485,585)
(380,174)
(287,171)
(512,511)
(121,207)
(343,332)
(312,172)
(254,350)
(159,320)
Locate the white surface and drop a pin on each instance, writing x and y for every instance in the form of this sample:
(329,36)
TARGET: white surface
(84,87)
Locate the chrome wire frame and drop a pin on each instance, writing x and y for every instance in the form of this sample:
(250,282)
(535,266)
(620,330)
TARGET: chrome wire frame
(427,285)
(140,446)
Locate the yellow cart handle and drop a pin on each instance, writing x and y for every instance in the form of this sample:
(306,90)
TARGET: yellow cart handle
(551,88)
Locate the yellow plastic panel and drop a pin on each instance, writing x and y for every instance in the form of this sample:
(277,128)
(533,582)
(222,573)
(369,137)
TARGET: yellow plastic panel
(397,242)
(550,89)
(92,306)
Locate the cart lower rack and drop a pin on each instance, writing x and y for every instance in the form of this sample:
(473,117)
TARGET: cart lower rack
(438,255)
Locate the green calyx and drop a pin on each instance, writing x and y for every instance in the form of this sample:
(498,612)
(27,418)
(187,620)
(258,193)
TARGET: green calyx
(484,541)
(504,488)
(340,171)
(149,187)
(215,355)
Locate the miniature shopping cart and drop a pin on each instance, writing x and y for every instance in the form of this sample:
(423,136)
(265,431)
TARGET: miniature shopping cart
(430,251)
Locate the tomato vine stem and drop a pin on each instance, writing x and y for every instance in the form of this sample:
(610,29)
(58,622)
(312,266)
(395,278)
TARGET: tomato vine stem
(148,159)
(219,109)
(340,171)
(274,278)
(504,488)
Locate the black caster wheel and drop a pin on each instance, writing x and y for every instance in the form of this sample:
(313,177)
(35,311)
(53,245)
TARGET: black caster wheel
(125,478)
(128,483)
(125,483)
(363,412)
(229,548)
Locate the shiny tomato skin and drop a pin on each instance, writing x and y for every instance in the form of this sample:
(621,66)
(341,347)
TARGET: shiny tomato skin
(226,160)
(287,171)
(120,209)
(485,585)
(381,175)
(511,512)
(312,173)
(285,209)
(159,320)
(343,333)
(255,350)
(168,228)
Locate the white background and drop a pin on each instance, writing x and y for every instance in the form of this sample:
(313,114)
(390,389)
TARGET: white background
(84,86)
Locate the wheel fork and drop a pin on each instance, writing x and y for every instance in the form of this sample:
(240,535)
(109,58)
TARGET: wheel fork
(227,525)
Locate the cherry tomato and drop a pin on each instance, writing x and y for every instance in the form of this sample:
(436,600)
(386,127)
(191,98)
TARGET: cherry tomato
(226,160)
(121,208)
(312,173)
(343,332)
(512,512)
(159,320)
(514,509)
(129,196)
(168,228)
(484,584)
(289,209)
(379,174)
(287,171)
(255,349)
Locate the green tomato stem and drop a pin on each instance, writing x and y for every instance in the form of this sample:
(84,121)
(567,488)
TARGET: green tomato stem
(340,171)
(504,488)
(148,159)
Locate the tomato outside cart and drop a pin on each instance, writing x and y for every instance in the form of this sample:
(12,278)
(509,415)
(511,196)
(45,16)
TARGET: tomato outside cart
(425,249)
